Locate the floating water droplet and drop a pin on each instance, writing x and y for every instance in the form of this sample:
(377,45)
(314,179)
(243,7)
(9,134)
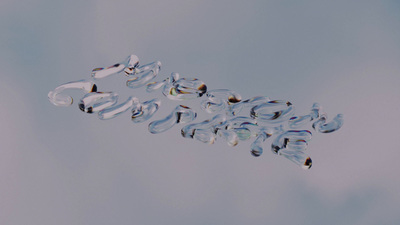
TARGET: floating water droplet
(299,121)
(272,112)
(99,73)
(256,148)
(184,89)
(323,127)
(238,107)
(300,158)
(181,114)
(189,130)
(58,99)
(144,111)
(144,75)
(96,101)
(114,111)
(204,135)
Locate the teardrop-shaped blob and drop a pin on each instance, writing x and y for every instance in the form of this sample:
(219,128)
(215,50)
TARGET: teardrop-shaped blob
(323,127)
(96,101)
(185,88)
(57,98)
(146,110)
(114,111)
(132,62)
(300,158)
(144,75)
(256,148)
(243,133)
(181,114)
(204,135)
(272,112)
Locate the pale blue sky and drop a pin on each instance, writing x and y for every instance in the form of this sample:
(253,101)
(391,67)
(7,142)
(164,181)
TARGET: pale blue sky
(61,166)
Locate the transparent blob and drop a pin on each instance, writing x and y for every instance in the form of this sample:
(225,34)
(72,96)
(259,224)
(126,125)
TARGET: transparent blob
(57,98)
(96,101)
(323,127)
(152,86)
(132,63)
(144,75)
(300,158)
(114,111)
(219,100)
(243,133)
(288,138)
(229,136)
(144,111)
(272,112)
(238,107)
(256,148)
(185,89)
(181,114)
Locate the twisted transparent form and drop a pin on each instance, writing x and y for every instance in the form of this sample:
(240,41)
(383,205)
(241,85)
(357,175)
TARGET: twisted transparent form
(234,119)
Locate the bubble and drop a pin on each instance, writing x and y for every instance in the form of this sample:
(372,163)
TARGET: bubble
(58,99)
(114,111)
(96,101)
(181,114)
(144,75)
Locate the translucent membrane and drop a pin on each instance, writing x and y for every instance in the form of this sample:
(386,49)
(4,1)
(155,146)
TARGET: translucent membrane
(57,98)
(114,111)
(323,127)
(272,112)
(299,121)
(96,101)
(181,114)
(144,111)
(287,138)
(219,100)
(144,75)
(185,89)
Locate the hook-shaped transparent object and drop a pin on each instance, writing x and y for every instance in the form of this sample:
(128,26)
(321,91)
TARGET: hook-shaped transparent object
(144,75)
(272,112)
(238,107)
(185,89)
(114,111)
(57,98)
(144,111)
(96,101)
(299,121)
(152,86)
(323,127)
(181,114)
(128,66)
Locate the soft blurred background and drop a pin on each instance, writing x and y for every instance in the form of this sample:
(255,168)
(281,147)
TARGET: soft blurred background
(61,166)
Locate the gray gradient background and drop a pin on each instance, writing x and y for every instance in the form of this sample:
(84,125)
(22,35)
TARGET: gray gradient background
(61,166)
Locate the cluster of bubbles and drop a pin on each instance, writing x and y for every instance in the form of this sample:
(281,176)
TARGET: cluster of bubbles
(235,120)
